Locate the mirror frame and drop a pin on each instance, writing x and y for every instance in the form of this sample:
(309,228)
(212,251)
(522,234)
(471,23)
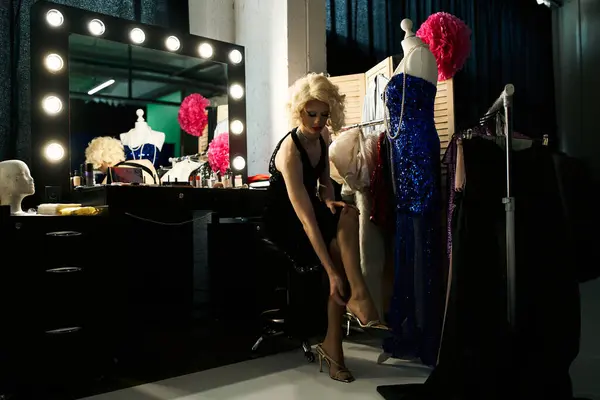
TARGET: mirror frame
(53,176)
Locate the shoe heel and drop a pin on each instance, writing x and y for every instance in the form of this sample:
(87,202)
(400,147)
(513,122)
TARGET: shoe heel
(320,363)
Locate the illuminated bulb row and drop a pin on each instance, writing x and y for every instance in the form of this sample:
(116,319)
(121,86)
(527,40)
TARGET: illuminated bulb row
(53,105)
(137,36)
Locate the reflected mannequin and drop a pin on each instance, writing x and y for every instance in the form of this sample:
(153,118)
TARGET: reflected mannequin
(141,142)
(16,183)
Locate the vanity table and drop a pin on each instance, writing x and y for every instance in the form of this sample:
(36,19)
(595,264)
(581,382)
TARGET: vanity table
(115,294)
(96,292)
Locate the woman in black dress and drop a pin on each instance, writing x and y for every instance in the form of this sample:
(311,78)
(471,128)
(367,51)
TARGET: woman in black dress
(304,219)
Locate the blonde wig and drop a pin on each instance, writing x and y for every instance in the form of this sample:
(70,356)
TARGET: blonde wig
(317,87)
(104,150)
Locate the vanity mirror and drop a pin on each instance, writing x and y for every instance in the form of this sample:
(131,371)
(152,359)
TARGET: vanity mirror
(94,75)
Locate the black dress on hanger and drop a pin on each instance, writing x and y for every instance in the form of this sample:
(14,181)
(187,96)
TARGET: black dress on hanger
(479,359)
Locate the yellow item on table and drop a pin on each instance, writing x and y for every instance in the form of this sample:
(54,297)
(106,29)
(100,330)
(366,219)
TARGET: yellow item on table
(79,211)
(54,209)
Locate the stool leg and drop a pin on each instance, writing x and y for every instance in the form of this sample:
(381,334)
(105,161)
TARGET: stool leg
(308,354)
(258,342)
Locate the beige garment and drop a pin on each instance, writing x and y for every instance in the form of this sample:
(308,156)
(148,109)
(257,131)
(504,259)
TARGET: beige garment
(347,159)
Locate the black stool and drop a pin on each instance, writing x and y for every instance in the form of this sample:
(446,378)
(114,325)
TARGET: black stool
(298,316)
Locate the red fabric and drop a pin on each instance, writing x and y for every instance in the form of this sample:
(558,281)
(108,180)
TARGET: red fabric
(382,192)
(258,178)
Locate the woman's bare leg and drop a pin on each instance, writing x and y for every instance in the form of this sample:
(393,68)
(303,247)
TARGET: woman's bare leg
(333,339)
(360,303)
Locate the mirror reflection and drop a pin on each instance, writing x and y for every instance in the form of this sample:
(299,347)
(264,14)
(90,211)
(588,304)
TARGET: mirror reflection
(125,101)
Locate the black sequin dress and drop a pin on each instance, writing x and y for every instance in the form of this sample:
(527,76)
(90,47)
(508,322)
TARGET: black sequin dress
(283,227)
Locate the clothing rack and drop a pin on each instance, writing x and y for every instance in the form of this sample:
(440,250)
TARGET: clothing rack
(505,101)
(363,124)
(468,134)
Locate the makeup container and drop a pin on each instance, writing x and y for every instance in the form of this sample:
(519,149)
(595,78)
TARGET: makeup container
(76,179)
(238,181)
(89,174)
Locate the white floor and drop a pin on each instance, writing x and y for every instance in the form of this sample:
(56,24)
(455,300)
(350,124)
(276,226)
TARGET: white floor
(284,376)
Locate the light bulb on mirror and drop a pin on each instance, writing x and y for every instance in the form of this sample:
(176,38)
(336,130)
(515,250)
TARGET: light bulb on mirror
(205,50)
(53,62)
(54,152)
(235,56)
(54,18)
(173,43)
(239,163)
(96,27)
(137,36)
(52,105)
(237,127)
(236,91)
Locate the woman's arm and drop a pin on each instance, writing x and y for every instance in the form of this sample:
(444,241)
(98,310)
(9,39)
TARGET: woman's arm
(289,163)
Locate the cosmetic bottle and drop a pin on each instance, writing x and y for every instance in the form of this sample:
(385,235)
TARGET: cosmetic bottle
(238,181)
(89,174)
(76,179)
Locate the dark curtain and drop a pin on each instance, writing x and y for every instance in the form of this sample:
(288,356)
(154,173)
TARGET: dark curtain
(15,103)
(511,43)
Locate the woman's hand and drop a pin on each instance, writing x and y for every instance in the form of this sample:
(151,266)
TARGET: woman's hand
(336,288)
(334,205)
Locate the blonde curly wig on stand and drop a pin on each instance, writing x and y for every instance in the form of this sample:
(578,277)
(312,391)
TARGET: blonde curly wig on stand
(104,151)
(316,87)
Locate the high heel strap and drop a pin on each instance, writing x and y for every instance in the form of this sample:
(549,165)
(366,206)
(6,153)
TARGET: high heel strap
(339,374)
(375,324)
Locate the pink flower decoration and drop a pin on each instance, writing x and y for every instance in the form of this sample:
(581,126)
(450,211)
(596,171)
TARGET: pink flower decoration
(218,153)
(449,40)
(192,114)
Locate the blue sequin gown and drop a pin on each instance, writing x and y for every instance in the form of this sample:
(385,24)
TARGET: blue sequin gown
(146,151)
(415,309)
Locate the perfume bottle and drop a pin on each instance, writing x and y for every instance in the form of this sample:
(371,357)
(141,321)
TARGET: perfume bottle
(76,179)
(227,180)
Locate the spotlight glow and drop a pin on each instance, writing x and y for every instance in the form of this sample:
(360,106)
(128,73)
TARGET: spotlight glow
(235,56)
(173,43)
(52,105)
(54,62)
(96,27)
(54,152)
(54,18)
(239,163)
(236,91)
(236,127)
(205,50)
(137,36)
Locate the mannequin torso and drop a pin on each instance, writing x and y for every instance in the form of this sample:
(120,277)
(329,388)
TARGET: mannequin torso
(16,183)
(142,142)
(418,60)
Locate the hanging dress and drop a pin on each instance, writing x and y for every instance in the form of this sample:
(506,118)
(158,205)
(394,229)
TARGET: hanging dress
(415,309)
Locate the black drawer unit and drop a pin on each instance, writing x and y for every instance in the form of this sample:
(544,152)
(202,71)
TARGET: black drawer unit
(60,297)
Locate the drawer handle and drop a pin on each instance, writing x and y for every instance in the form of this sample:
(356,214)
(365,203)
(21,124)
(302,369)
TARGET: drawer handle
(64,234)
(62,331)
(64,270)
